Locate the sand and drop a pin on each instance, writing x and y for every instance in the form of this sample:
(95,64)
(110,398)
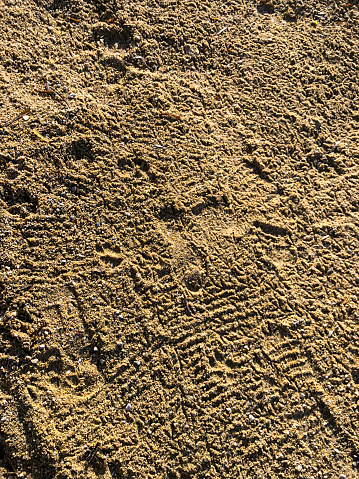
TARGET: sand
(179,239)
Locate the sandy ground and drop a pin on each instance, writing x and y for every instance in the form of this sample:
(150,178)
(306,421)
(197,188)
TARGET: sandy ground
(179,239)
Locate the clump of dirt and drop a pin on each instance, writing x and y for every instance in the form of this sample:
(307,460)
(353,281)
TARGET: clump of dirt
(179,239)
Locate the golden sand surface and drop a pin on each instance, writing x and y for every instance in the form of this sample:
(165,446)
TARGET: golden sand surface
(179,235)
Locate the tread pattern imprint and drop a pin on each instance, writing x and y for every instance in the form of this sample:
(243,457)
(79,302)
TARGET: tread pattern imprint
(179,258)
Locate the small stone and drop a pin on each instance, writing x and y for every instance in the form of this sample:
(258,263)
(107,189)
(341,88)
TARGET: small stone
(342,476)
(34,361)
(25,117)
(251,417)
(331,333)
(137,363)
(72,96)
(299,468)
(128,407)
(95,349)
(42,346)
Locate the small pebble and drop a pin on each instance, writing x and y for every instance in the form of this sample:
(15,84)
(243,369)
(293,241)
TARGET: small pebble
(251,418)
(138,363)
(342,476)
(42,346)
(25,117)
(128,407)
(331,333)
(95,349)
(72,96)
(34,361)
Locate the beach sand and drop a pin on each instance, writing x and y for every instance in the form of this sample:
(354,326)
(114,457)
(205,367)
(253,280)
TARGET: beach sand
(179,239)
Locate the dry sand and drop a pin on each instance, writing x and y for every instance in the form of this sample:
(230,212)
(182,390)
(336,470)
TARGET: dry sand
(179,239)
